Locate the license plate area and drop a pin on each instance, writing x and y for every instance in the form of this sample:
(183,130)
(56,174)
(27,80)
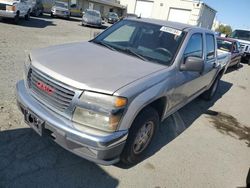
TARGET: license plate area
(35,122)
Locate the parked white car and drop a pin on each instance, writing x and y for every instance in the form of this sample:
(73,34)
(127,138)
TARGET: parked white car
(15,9)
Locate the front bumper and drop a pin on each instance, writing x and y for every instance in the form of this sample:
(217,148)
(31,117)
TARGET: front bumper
(91,24)
(60,14)
(103,149)
(7,14)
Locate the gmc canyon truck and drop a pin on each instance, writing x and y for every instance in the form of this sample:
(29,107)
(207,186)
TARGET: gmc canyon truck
(104,99)
(15,9)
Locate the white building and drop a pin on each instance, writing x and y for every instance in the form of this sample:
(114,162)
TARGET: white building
(185,11)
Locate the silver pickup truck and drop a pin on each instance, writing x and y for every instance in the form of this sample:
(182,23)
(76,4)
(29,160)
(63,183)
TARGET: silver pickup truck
(104,99)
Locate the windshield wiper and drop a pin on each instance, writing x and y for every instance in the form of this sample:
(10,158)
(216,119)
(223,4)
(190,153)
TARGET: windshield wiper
(104,44)
(135,54)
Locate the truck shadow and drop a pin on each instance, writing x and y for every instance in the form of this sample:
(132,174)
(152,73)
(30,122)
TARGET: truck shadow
(232,69)
(27,160)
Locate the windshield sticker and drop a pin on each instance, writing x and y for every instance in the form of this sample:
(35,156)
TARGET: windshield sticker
(171,30)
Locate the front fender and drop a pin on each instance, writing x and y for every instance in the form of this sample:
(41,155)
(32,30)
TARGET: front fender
(140,101)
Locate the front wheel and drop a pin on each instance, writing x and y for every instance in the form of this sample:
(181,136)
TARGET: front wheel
(140,136)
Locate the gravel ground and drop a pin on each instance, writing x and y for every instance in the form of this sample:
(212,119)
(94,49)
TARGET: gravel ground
(213,151)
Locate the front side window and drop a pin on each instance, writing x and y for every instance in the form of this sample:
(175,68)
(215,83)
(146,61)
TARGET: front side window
(147,41)
(210,46)
(194,46)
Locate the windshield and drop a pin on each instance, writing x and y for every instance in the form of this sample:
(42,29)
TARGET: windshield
(146,41)
(60,4)
(241,34)
(224,45)
(93,13)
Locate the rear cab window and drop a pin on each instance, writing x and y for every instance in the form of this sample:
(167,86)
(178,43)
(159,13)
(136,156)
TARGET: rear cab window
(210,47)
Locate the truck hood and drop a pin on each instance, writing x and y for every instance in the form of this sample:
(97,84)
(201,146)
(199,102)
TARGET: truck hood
(60,8)
(244,41)
(88,66)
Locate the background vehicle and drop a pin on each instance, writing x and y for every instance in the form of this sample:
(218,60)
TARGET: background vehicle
(111,17)
(75,10)
(60,9)
(103,99)
(15,9)
(37,9)
(232,46)
(243,36)
(92,18)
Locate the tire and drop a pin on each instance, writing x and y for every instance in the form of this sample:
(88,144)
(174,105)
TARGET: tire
(141,134)
(237,65)
(51,15)
(16,18)
(210,93)
(27,16)
(37,13)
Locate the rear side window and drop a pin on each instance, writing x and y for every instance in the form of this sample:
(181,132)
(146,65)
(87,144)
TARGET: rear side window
(210,45)
(194,46)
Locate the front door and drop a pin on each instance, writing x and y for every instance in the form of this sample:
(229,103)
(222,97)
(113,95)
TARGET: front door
(189,83)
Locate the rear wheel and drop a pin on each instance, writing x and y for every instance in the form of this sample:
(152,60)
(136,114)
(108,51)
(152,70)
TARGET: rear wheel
(16,18)
(27,16)
(237,65)
(209,94)
(140,136)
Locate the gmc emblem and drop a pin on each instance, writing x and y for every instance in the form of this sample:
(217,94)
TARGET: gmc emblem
(45,87)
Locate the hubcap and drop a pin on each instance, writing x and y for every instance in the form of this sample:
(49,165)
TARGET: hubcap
(143,137)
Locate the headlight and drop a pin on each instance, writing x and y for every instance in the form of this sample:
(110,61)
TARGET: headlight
(99,111)
(10,8)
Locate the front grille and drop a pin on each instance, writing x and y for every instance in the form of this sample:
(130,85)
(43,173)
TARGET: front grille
(2,6)
(58,97)
(245,47)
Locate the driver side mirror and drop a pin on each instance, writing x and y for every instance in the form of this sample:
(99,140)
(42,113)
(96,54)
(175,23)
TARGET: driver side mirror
(194,64)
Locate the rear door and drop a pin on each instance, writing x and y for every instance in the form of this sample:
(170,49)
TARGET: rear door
(210,66)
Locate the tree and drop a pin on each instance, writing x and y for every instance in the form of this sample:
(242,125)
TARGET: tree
(225,29)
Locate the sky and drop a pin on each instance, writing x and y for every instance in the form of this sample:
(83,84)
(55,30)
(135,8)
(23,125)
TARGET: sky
(235,13)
